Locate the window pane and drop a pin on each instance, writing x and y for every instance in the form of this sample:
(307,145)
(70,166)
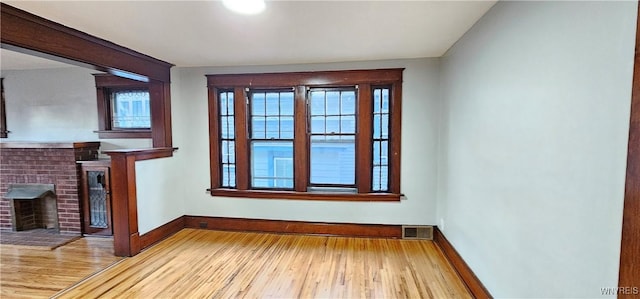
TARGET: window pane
(286,103)
(228,176)
(385,100)
(317,124)
(227,140)
(333,102)
(272,164)
(273,127)
(380,178)
(384,126)
(333,124)
(258,127)
(226,103)
(348,124)
(258,104)
(227,130)
(130,109)
(286,127)
(317,103)
(333,161)
(377,97)
(348,104)
(273,103)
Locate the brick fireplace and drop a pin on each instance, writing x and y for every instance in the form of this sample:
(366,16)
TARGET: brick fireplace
(46,163)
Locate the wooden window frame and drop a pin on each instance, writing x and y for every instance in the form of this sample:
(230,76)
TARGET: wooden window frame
(4,133)
(365,80)
(106,85)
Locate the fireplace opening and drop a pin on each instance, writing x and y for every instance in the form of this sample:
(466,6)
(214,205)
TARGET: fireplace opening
(33,206)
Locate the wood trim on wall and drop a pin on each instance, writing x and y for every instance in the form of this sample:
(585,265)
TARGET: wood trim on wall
(629,275)
(295,227)
(27,33)
(160,233)
(23,31)
(472,282)
(124,201)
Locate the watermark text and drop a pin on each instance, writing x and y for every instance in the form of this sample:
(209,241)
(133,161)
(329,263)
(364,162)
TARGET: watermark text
(606,291)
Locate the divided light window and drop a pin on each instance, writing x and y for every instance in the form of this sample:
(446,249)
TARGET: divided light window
(314,135)
(124,107)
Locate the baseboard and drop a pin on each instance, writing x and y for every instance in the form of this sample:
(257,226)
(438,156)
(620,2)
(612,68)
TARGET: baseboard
(162,232)
(472,282)
(294,227)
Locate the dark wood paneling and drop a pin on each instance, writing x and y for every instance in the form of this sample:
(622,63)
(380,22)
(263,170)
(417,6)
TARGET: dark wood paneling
(242,138)
(629,275)
(214,133)
(274,194)
(126,241)
(469,278)
(160,96)
(29,33)
(162,232)
(122,173)
(380,76)
(111,81)
(395,136)
(301,141)
(33,35)
(295,227)
(365,135)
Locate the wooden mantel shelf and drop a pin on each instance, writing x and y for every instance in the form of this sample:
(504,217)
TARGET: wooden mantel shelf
(143,154)
(52,144)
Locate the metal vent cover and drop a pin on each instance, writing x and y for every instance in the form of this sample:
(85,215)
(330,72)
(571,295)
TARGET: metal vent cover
(417,232)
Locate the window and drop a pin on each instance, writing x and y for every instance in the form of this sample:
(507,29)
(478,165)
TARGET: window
(124,108)
(316,135)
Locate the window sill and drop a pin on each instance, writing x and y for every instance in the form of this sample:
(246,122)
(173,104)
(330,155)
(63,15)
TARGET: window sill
(267,194)
(114,134)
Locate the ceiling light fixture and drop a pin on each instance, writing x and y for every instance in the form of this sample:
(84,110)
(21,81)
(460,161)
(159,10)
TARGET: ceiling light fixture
(247,7)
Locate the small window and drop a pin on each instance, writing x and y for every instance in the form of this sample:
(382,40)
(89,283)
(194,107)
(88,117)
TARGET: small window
(124,108)
(130,110)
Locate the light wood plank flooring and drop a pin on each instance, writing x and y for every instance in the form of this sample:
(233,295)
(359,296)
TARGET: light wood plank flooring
(214,264)
(41,273)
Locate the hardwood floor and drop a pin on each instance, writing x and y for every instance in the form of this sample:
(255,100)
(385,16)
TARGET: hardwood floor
(214,264)
(41,273)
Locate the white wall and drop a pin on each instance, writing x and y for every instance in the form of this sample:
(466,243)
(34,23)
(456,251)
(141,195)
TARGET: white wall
(419,150)
(160,192)
(536,101)
(56,105)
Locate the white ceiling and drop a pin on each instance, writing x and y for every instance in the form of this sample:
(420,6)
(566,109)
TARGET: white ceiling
(204,33)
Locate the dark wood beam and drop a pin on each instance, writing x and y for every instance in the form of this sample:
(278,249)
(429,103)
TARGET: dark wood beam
(27,33)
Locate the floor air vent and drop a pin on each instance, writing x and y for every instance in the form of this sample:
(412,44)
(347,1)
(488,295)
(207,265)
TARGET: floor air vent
(417,232)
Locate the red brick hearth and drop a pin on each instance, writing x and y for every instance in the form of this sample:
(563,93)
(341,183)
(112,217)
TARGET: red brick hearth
(46,163)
